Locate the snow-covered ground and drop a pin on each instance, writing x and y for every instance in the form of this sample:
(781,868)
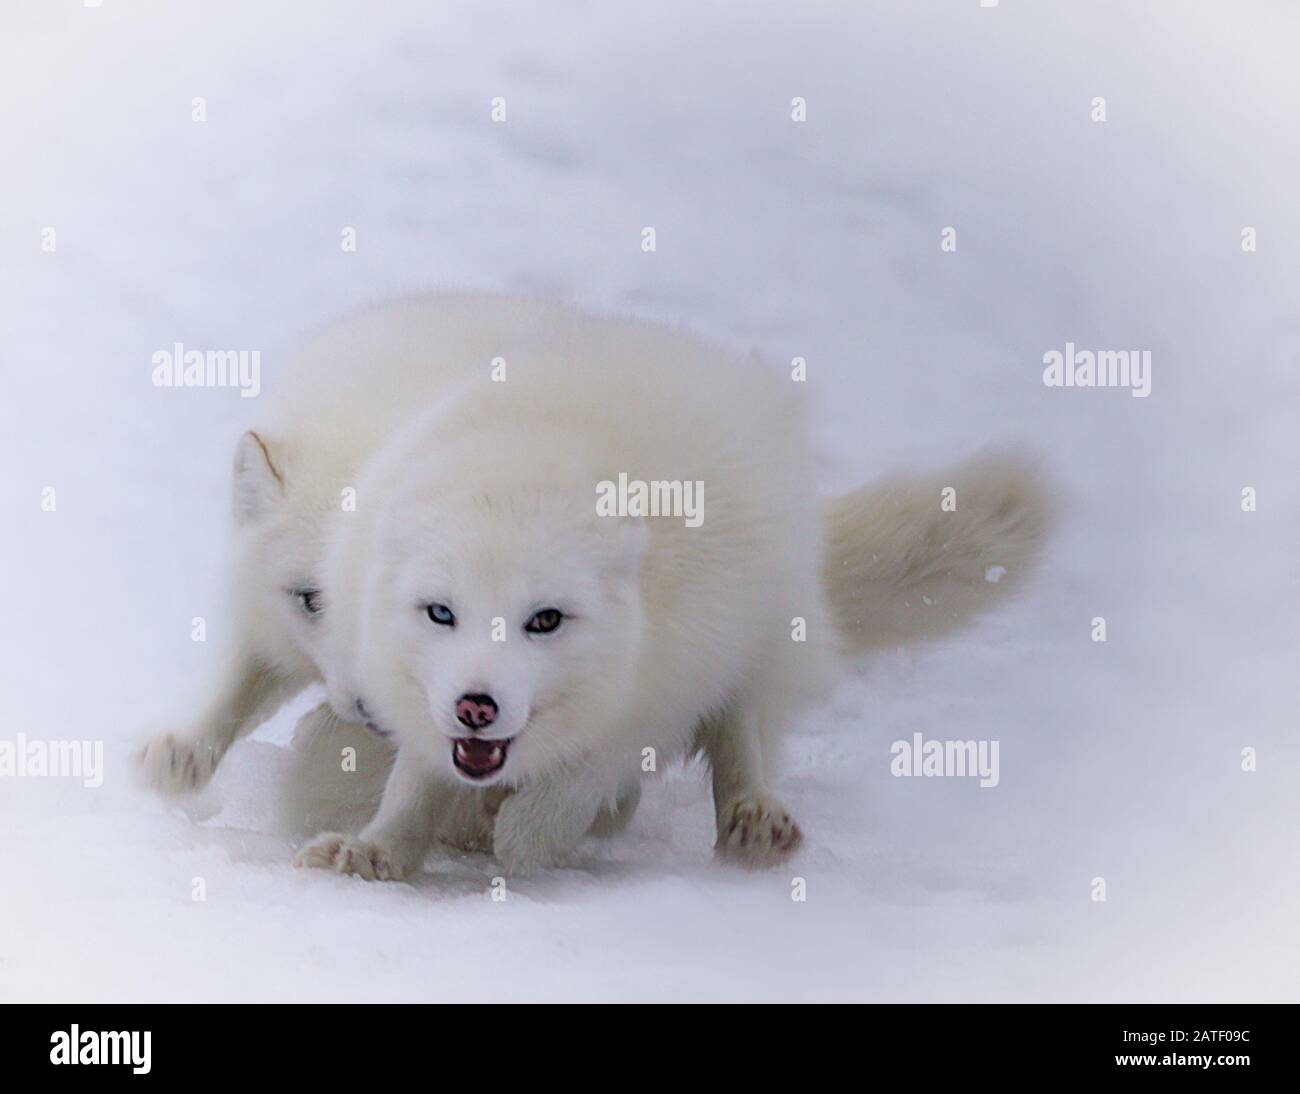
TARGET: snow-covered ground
(1119,760)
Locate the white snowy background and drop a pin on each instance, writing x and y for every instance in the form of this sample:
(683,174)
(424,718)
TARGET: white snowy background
(819,239)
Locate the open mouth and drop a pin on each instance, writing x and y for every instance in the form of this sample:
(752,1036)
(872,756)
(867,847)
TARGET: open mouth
(478,759)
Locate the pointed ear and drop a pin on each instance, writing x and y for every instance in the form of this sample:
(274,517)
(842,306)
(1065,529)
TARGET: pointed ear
(258,484)
(625,539)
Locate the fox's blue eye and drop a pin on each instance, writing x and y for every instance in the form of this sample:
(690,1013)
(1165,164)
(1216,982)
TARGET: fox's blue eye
(441,614)
(308,599)
(544,621)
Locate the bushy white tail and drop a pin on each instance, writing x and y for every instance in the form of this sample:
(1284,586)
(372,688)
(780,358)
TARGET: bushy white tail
(900,567)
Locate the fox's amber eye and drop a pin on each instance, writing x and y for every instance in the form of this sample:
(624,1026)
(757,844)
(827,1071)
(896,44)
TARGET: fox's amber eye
(441,614)
(545,621)
(308,599)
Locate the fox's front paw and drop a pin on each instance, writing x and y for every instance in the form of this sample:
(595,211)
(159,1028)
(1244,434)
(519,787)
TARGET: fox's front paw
(350,855)
(757,831)
(176,765)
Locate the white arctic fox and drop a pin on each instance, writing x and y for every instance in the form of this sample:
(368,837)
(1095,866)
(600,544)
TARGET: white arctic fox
(295,474)
(511,615)
(336,404)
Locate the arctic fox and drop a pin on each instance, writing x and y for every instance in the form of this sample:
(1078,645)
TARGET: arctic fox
(293,475)
(510,631)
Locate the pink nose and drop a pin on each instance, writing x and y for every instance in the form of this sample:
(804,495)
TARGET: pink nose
(476,711)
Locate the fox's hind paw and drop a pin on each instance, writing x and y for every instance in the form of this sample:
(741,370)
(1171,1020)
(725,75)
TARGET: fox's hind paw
(757,831)
(349,855)
(176,765)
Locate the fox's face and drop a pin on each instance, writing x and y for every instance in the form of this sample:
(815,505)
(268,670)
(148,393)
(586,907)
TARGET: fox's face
(498,630)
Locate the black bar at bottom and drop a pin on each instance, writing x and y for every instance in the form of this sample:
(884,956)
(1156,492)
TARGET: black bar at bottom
(337,1043)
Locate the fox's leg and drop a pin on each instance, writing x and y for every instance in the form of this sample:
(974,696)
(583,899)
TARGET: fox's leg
(542,821)
(754,828)
(183,762)
(396,841)
(613,819)
(467,822)
(468,825)
(336,775)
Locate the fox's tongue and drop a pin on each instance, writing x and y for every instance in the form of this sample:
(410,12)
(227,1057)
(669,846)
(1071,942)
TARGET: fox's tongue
(478,758)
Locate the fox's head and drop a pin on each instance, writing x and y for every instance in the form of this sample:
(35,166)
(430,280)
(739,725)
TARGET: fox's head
(283,512)
(498,627)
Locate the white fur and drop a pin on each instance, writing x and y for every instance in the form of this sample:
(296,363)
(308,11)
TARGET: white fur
(335,405)
(679,637)
(900,568)
(684,635)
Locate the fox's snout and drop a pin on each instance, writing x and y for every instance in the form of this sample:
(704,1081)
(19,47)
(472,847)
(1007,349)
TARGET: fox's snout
(476,711)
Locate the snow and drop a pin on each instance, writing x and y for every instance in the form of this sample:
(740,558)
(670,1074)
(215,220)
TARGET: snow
(1120,760)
